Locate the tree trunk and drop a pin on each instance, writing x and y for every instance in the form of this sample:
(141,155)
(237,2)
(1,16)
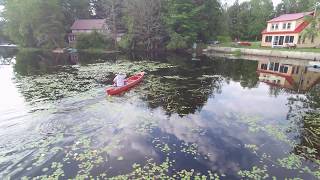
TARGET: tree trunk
(114,22)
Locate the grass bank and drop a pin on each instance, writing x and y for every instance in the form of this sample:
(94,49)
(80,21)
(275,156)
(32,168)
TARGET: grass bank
(256,45)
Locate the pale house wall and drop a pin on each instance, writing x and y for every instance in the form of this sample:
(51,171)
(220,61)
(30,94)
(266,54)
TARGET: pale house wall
(269,44)
(294,24)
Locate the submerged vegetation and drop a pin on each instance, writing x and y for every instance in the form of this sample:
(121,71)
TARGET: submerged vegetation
(98,140)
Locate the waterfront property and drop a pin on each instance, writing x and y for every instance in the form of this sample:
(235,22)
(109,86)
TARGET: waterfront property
(286,31)
(87,26)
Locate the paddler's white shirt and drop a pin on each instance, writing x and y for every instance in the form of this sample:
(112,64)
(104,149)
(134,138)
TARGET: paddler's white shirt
(119,80)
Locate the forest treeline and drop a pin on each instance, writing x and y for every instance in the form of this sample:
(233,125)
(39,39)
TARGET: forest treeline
(149,24)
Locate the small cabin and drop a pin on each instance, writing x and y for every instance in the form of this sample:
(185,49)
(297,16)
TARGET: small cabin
(87,26)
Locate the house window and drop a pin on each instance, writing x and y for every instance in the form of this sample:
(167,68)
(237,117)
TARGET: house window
(289,26)
(275,26)
(264,66)
(276,40)
(303,40)
(298,69)
(287,39)
(291,39)
(276,67)
(284,69)
(268,39)
(271,66)
(284,26)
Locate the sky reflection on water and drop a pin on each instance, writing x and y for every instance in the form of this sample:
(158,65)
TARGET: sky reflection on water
(192,113)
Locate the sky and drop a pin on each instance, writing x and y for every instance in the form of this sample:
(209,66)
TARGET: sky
(230,2)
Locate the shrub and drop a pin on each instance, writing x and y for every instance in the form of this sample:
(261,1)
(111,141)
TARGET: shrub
(176,42)
(93,40)
(125,42)
(224,39)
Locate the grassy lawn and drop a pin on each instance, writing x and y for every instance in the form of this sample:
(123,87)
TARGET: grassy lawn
(256,45)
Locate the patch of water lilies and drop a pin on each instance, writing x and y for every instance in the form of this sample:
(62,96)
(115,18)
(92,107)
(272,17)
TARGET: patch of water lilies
(153,170)
(191,149)
(291,161)
(79,79)
(160,144)
(177,97)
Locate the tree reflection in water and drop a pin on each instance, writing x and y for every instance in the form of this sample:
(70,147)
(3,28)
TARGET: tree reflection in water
(177,86)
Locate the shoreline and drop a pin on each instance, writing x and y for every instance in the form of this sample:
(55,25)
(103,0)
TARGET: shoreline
(265,53)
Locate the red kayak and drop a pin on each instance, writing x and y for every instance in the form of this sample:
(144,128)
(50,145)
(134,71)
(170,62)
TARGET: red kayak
(130,82)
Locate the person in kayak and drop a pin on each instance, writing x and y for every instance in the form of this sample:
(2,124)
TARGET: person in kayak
(119,80)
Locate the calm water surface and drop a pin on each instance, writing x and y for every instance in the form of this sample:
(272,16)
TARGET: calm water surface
(215,115)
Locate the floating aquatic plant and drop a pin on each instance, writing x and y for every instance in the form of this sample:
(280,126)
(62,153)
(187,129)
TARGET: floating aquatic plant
(255,173)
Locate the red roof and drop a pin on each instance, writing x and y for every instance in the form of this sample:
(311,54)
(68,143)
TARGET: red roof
(299,29)
(287,77)
(88,24)
(291,17)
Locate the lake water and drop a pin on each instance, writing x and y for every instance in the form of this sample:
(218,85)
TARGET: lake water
(216,117)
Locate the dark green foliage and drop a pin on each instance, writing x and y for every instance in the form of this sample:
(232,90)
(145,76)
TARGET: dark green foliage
(248,19)
(74,9)
(145,29)
(93,40)
(3,37)
(190,21)
(149,24)
(295,6)
(33,23)
(224,39)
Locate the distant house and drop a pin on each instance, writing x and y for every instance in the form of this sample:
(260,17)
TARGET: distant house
(87,26)
(286,30)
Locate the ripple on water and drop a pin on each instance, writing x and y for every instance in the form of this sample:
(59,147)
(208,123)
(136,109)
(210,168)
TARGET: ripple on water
(179,122)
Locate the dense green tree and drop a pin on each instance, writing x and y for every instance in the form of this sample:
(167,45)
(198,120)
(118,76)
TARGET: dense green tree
(244,18)
(93,40)
(75,9)
(35,23)
(261,12)
(234,20)
(248,19)
(182,21)
(213,14)
(188,21)
(287,6)
(114,14)
(144,23)
(295,6)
